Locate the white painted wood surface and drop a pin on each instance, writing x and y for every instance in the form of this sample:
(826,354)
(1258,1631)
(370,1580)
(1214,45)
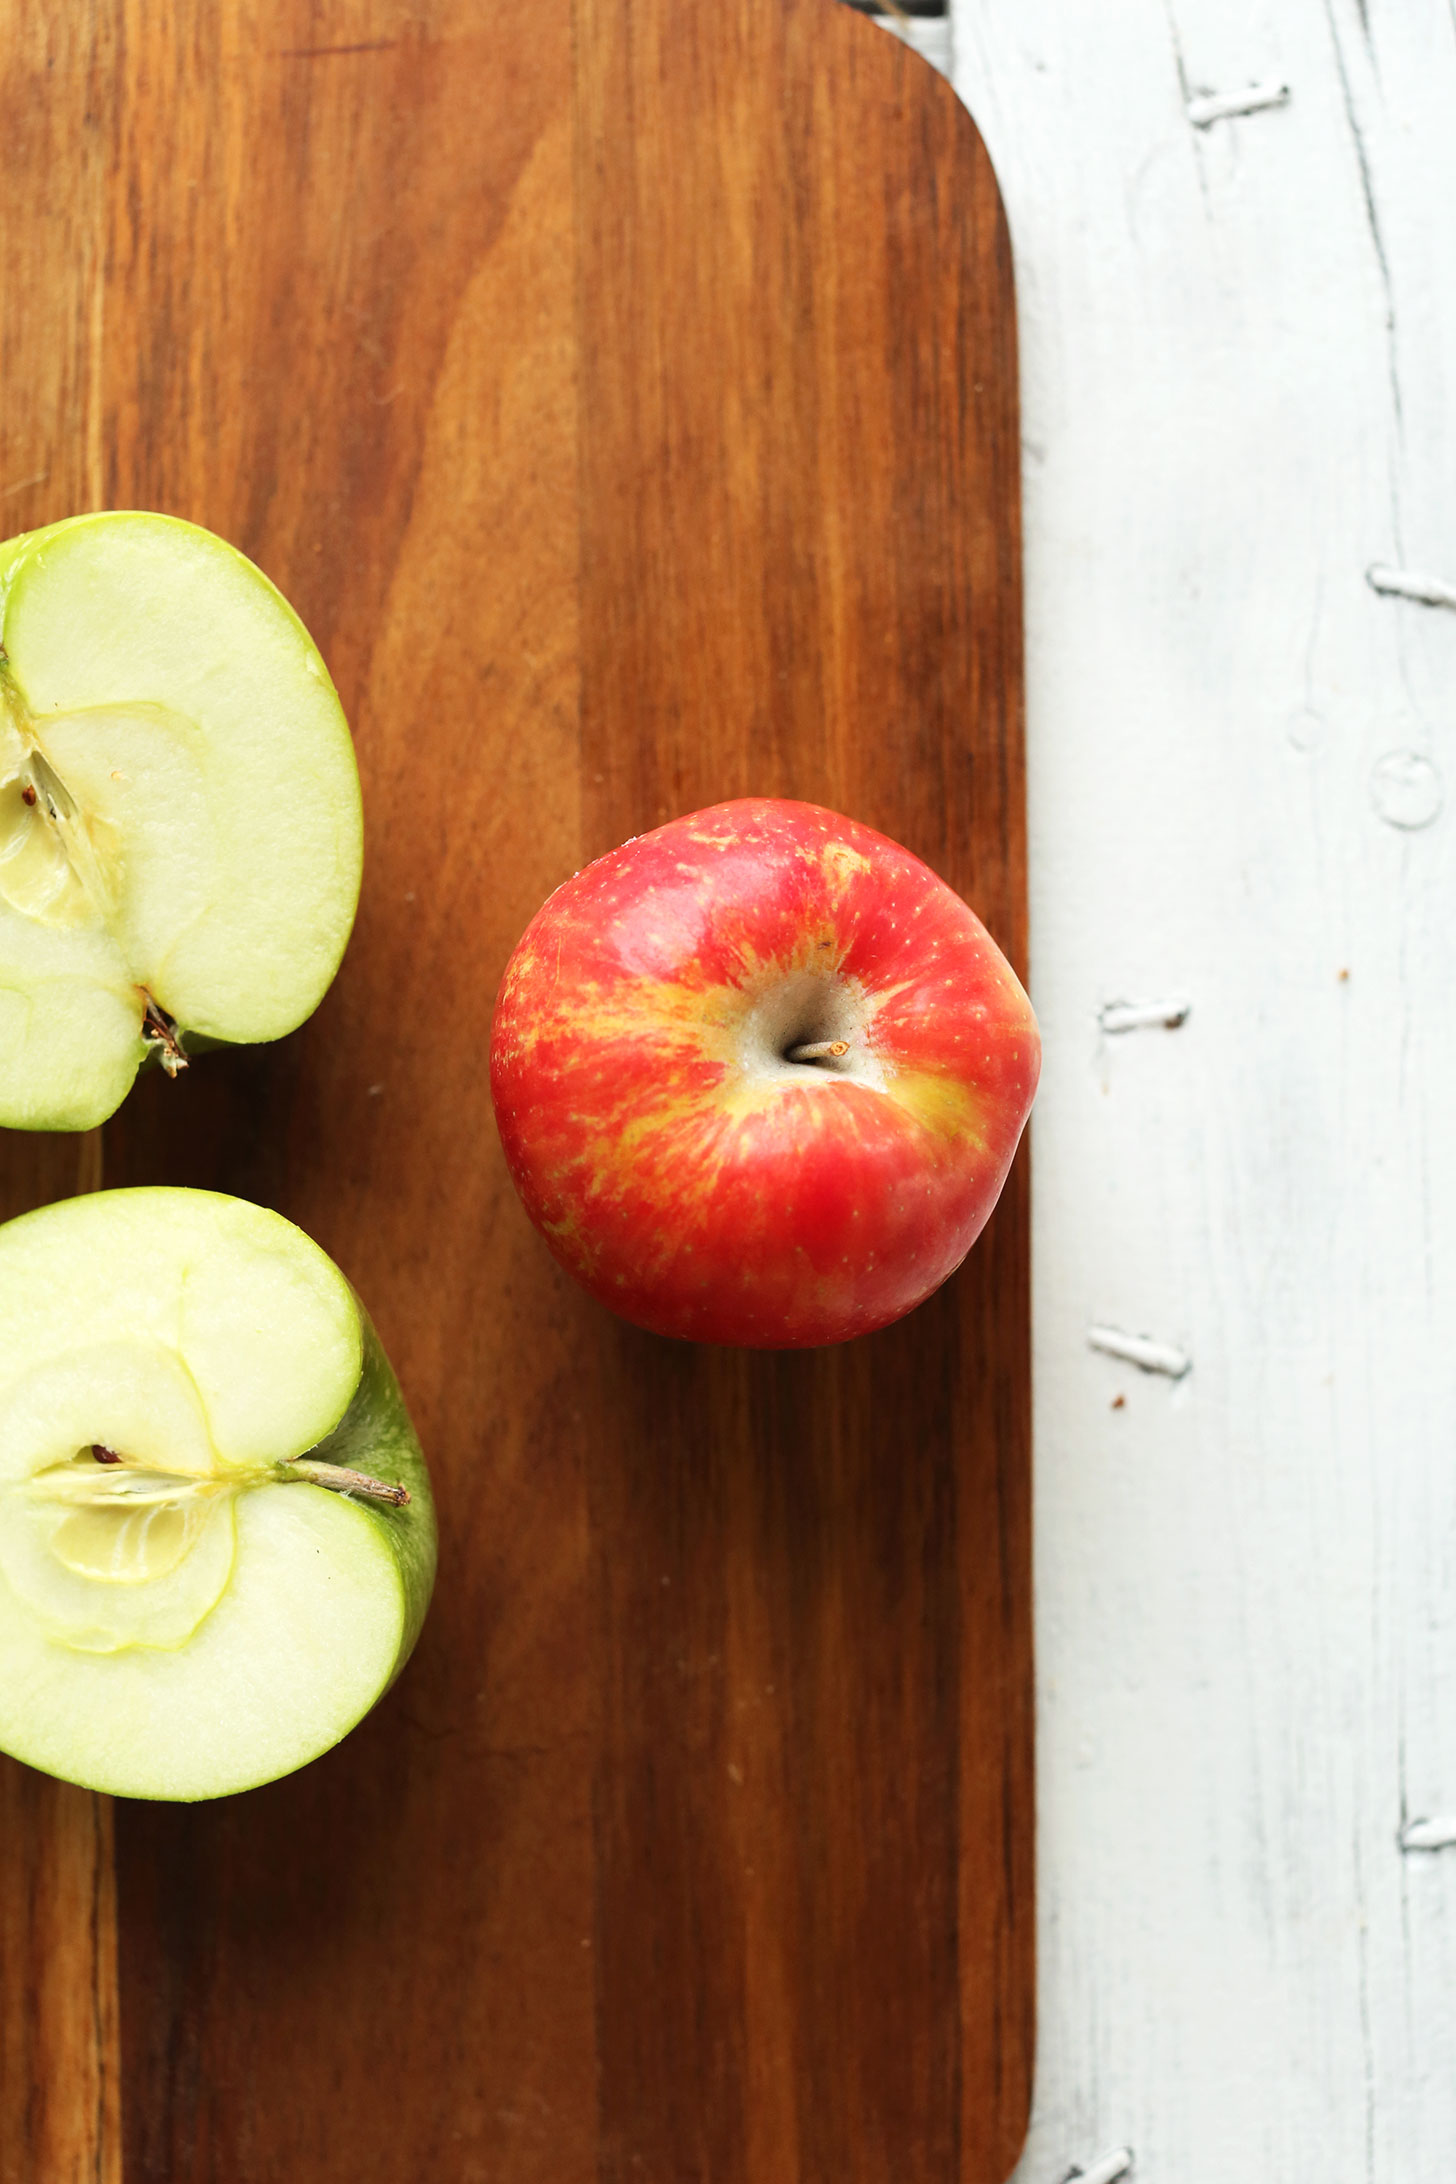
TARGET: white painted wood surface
(1239,386)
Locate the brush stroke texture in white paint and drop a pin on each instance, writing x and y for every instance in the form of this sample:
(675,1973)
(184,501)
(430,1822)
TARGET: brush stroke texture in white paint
(1144,1351)
(1429,1834)
(1239,394)
(1107,2171)
(1431,591)
(1255,98)
(1119,1016)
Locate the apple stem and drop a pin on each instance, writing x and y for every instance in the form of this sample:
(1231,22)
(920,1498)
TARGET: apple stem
(160,1030)
(344,1481)
(818,1050)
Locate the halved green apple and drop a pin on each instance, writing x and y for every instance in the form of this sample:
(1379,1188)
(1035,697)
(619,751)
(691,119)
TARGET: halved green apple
(217,1539)
(180,832)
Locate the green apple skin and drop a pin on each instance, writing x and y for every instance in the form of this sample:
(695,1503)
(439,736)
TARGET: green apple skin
(223,1333)
(202,848)
(376,1435)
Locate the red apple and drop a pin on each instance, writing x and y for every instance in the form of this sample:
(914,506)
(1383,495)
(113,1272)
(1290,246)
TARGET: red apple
(760,1075)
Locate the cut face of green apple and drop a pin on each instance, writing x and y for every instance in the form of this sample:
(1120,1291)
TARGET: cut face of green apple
(217,1539)
(180,833)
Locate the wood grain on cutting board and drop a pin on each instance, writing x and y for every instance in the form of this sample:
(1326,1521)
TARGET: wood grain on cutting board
(626,400)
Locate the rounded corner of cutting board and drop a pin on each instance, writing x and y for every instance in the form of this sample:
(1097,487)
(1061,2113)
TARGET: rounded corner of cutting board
(906,76)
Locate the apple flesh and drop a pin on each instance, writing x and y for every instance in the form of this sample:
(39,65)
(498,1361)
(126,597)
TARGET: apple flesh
(180,833)
(217,1540)
(759,1076)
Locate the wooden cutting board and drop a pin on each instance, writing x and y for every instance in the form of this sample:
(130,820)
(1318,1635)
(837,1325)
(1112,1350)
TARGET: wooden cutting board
(626,396)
